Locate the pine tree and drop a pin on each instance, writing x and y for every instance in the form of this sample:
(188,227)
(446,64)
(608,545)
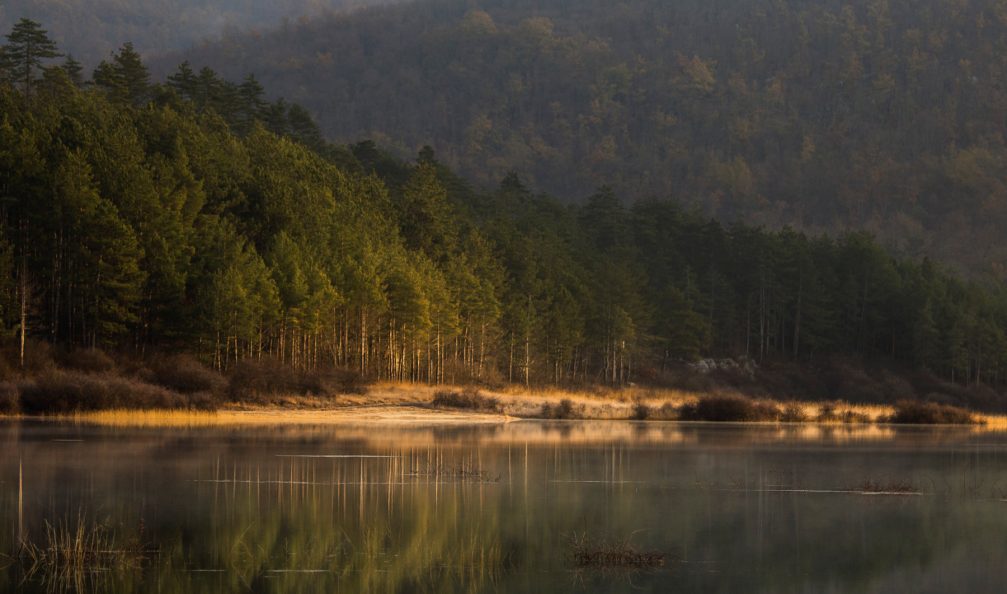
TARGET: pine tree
(28,44)
(184,81)
(126,78)
(73,70)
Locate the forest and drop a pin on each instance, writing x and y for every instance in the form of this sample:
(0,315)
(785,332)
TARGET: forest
(195,216)
(826,116)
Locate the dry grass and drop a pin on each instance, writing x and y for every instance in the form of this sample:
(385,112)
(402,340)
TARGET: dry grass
(383,398)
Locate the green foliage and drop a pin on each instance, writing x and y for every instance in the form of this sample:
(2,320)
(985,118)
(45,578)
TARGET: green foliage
(818,114)
(173,217)
(21,59)
(125,78)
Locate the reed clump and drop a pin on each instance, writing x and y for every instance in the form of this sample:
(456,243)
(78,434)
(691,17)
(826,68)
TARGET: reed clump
(77,547)
(589,553)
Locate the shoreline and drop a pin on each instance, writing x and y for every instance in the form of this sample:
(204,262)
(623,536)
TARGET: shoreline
(395,404)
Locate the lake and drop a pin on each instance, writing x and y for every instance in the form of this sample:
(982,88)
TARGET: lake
(376,508)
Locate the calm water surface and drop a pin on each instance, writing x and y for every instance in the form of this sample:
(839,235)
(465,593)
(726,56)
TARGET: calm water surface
(493,509)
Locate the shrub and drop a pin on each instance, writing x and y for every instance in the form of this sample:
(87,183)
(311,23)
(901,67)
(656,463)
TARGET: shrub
(37,356)
(793,413)
(67,391)
(930,413)
(257,379)
(829,413)
(87,360)
(9,399)
(185,374)
(467,400)
(641,412)
(563,410)
(729,408)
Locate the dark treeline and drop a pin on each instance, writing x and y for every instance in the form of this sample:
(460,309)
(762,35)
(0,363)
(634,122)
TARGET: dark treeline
(193,216)
(825,115)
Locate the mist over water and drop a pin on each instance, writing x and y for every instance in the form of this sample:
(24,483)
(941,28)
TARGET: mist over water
(493,509)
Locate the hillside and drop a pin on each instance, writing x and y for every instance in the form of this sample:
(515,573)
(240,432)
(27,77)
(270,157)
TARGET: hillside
(192,216)
(885,116)
(92,29)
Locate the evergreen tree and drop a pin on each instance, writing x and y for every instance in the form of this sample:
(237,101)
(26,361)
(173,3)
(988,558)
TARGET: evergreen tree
(28,45)
(126,78)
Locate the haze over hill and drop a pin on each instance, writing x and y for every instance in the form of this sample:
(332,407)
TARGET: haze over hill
(822,114)
(91,29)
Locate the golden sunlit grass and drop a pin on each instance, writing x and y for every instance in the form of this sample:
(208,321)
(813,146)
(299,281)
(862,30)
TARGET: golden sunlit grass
(410,404)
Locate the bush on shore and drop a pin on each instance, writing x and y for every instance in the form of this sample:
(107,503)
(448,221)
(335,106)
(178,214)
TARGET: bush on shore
(564,410)
(185,374)
(930,413)
(72,391)
(9,399)
(91,360)
(467,400)
(262,379)
(729,408)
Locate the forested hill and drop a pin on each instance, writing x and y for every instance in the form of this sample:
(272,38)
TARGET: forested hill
(869,114)
(92,29)
(194,216)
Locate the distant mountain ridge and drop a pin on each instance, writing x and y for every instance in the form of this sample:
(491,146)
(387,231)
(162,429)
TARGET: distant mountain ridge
(885,116)
(91,29)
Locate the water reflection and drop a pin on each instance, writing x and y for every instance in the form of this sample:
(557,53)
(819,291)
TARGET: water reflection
(492,509)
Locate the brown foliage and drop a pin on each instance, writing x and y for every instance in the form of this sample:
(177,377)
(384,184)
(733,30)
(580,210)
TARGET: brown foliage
(261,379)
(87,360)
(56,392)
(185,374)
(727,408)
(467,400)
(9,399)
(564,410)
(930,413)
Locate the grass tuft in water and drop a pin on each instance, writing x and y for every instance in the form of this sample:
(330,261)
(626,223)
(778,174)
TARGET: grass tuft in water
(590,553)
(73,548)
